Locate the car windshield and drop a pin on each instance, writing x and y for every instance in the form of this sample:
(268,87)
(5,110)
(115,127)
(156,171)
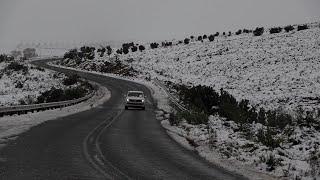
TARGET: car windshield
(135,94)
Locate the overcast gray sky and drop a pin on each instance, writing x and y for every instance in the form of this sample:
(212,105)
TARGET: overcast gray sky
(146,20)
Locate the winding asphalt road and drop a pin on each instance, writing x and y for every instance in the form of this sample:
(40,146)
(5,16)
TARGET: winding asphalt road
(106,142)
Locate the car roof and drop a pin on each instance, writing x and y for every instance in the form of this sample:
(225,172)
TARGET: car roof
(135,92)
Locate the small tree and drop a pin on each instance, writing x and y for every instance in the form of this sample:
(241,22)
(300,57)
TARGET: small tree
(303,27)
(275,30)
(211,38)
(141,48)
(134,48)
(186,41)
(239,32)
(109,50)
(258,31)
(289,28)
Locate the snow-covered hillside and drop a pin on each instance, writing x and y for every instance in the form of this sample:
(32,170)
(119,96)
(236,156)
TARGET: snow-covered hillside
(280,70)
(24,86)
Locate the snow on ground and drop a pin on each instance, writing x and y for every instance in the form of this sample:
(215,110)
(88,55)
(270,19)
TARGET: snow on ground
(12,126)
(35,81)
(278,71)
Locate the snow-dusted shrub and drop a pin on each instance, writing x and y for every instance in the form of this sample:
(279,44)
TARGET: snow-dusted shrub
(302,27)
(4,57)
(199,38)
(271,161)
(101,51)
(268,137)
(154,45)
(289,28)
(239,32)
(186,41)
(204,36)
(258,31)
(211,38)
(275,30)
(134,48)
(71,80)
(141,48)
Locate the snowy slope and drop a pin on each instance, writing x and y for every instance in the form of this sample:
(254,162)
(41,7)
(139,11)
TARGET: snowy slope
(34,82)
(280,70)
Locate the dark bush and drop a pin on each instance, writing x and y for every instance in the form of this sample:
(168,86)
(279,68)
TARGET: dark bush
(71,80)
(19,85)
(289,28)
(258,31)
(119,51)
(109,50)
(211,38)
(125,50)
(204,36)
(75,93)
(275,30)
(224,33)
(134,48)
(247,31)
(199,38)
(302,27)
(15,66)
(4,57)
(191,37)
(217,34)
(52,95)
(154,45)
(141,48)
(268,138)
(229,33)
(239,32)
(186,41)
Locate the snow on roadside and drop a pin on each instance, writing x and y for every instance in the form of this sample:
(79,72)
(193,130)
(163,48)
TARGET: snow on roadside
(12,126)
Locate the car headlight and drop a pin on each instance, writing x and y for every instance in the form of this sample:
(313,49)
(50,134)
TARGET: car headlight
(142,100)
(127,100)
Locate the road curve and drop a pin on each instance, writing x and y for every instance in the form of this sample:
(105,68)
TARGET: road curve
(105,142)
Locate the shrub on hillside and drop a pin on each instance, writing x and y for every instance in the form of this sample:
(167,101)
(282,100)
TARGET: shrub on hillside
(109,50)
(141,48)
(302,27)
(199,38)
(15,66)
(204,36)
(134,48)
(289,28)
(229,33)
(71,80)
(217,34)
(224,33)
(191,37)
(186,41)
(239,32)
(258,31)
(119,51)
(154,45)
(4,57)
(247,31)
(211,38)
(275,30)
(125,50)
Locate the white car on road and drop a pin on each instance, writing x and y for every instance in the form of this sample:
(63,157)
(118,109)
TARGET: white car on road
(135,99)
